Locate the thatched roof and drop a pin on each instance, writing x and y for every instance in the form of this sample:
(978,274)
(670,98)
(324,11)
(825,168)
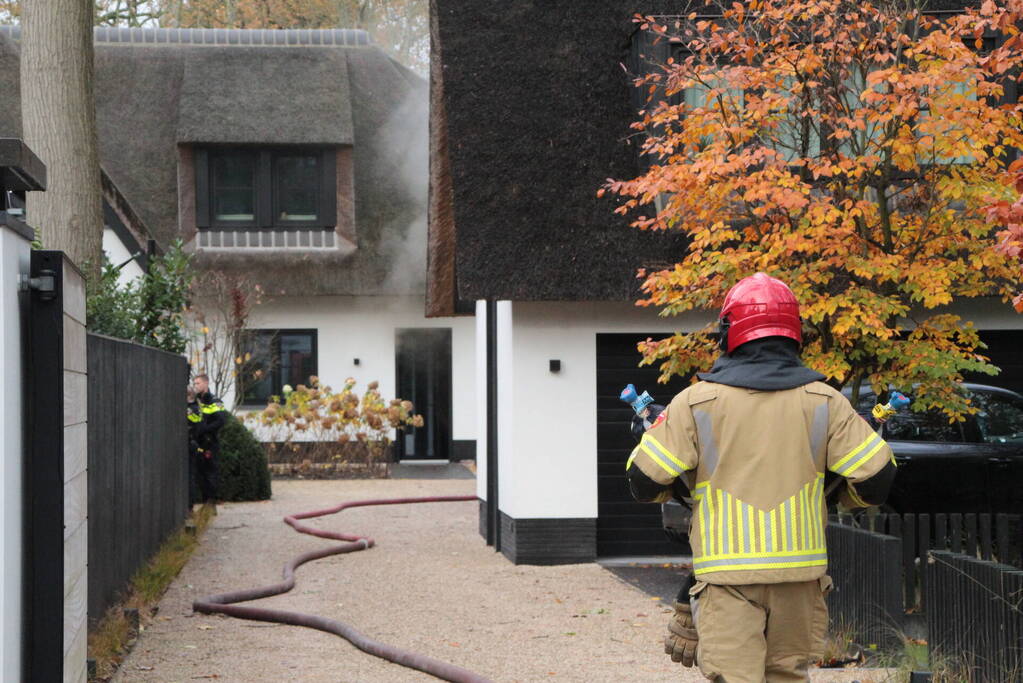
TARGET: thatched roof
(253,98)
(157,89)
(535,106)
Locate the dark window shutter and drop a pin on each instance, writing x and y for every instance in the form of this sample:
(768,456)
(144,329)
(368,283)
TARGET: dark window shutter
(328,188)
(201,163)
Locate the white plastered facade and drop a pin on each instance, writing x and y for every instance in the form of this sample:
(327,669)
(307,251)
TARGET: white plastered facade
(365,328)
(547,421)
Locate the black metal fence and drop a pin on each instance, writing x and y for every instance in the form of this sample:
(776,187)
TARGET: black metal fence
(138,467)
(975,616)
(984,536)
(866,602)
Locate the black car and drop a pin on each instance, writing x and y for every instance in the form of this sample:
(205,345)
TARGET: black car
(970,466)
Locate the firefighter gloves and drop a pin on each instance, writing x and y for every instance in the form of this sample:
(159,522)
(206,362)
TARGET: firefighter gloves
(681,640)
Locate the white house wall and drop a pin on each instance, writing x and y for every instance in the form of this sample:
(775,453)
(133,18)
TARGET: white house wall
(118,254)
(364,328)
(481,401)
(549,465)
(14,261)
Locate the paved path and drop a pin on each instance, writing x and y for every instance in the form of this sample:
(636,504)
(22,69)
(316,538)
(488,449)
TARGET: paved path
(430,585)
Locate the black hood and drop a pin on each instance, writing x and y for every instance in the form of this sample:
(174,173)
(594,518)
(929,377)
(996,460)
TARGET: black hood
(768,364)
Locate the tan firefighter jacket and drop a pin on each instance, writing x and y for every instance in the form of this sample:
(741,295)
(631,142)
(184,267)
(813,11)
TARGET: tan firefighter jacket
(754,462)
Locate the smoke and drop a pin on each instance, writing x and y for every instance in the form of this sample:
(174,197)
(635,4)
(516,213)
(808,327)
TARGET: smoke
(404,141)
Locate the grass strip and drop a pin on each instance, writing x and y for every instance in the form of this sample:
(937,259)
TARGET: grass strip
(113,636)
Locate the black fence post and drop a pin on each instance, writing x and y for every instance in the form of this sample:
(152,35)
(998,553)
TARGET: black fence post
(985,537)
(971,534)
(956,520)
(909,559)
(924,544)
(44,474)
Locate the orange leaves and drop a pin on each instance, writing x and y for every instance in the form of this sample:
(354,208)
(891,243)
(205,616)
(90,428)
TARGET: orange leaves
(857,166)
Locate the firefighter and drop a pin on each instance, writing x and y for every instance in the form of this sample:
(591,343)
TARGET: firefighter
(752,440)
(213,417)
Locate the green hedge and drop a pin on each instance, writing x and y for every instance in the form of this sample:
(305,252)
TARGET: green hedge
(244,474)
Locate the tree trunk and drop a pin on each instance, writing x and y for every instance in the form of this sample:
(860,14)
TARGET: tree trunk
(59,121)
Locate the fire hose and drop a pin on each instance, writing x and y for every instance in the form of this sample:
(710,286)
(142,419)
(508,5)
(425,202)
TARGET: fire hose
(225,603)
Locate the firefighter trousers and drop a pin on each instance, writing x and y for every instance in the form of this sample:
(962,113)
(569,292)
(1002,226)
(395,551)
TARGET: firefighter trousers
(760,632)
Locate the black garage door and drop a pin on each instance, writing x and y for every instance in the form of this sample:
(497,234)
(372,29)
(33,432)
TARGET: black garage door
(625,527)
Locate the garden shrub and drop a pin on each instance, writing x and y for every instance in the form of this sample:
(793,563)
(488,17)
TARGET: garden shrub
(244,474)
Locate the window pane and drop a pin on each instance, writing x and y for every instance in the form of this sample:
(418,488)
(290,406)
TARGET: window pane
(256,373)
(234,180)
(932,425)
(298,183)
(1000,418)
(233,205)
(297,361)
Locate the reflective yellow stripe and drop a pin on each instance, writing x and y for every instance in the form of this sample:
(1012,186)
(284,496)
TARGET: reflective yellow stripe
(755,556)
(655,445)
(195,417)
(774,531)
(804,499)
(720,540)
(838,466)
(628,463)
(664,466)
(754,564)
(735,535)
(763,527)
(866,458)
(709,540)
(210,408)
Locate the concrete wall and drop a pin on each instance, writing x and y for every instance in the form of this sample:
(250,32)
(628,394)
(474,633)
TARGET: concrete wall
(548,421)
(76,498)
(14,261)
(365,328)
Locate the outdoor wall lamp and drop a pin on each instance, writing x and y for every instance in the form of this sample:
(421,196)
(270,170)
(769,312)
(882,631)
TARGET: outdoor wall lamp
(555,366)
(356,361)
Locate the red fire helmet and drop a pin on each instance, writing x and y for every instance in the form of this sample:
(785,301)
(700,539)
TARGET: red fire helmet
(760,306)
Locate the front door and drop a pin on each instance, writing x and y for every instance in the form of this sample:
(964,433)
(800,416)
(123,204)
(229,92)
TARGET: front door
(423,358)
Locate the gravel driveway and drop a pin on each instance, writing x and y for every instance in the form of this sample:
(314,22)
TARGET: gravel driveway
(430,585)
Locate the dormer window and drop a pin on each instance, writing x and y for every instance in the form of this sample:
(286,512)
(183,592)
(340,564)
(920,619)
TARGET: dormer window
(266,189)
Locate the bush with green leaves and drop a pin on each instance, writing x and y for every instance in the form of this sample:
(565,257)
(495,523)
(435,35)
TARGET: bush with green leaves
(244,474)
(149,310)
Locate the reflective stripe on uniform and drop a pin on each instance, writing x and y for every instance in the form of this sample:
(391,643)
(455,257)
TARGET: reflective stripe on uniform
(856,457)
(210,408)
(760,561)
(628,463)
(735,535)
(661,455)
(195,417)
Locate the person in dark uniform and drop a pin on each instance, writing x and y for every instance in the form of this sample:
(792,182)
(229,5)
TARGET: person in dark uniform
(194,416)
(213,416)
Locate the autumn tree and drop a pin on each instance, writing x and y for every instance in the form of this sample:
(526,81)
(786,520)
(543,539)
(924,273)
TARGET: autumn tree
(1009,215)
(849,148)
(59,121)
(133,13)
(216,321)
